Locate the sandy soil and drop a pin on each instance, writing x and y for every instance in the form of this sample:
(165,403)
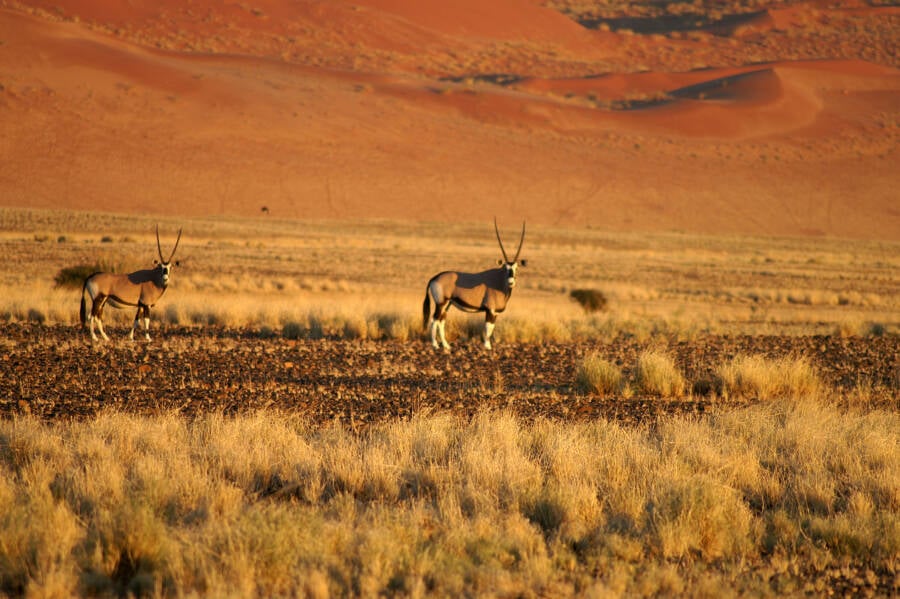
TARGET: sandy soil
(780,120)
(55,372)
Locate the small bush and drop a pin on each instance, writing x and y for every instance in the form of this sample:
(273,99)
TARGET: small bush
(592,300)
(656,374)
(74,276)
(292,330)
(597,375)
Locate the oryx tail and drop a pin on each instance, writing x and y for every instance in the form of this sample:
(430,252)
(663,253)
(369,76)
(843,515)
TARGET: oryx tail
(426,308)
(83,312)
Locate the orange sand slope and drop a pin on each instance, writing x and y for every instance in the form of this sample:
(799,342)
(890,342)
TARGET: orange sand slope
(427,110)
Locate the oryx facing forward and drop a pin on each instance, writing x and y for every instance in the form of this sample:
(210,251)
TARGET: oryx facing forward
(486,291)
(139,289)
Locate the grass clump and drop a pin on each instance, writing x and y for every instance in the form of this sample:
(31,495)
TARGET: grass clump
(656,373)
(765,378)
(598,375)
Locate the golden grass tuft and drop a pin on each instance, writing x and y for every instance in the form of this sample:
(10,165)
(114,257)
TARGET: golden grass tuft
(764,378)
(598,375)
(657,374)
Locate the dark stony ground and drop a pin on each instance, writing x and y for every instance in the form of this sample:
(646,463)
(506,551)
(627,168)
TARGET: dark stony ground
(56,372)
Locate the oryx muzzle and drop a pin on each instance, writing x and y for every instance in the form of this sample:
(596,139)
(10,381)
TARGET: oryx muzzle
(139,289)
(487,291)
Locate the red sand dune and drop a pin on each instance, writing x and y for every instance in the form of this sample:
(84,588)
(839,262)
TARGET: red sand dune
(427,110)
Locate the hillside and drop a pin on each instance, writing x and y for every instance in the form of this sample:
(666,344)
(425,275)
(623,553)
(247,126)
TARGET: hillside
(761,120)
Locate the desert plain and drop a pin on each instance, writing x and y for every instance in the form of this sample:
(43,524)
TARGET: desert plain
(721,178)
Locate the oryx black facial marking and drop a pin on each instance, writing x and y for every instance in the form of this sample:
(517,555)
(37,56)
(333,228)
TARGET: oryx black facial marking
(487,291)
(140,289)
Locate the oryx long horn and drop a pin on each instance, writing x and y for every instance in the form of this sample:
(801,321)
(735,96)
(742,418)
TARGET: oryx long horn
(521,239)
(497,231)
(158,247)
(172,255)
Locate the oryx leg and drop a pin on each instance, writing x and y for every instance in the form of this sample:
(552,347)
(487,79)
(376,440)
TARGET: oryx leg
(143,313)
(438,324)
(490,318)
(97,314)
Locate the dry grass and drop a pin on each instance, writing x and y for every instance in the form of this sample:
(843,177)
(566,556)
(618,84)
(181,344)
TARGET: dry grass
(657,374)
(763,378)
(367,279)
(754,500)
(598,375)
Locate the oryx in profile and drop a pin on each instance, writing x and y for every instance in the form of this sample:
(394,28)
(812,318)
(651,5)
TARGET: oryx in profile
(486,291)
(139,289)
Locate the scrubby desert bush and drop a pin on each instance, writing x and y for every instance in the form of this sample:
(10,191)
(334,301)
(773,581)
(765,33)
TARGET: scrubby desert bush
(592,300)
(74,276)
(598,375)
(312,329)
(656,373)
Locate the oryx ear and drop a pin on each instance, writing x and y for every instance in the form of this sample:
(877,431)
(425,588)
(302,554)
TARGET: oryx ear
(178,263)
(156,262)
(499,262)
(523,262)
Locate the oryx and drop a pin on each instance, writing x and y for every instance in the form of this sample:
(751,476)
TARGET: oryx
(139,289)
(486,291)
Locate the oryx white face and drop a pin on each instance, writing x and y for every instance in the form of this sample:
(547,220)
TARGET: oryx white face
(510,266)
(512,269)
(165,269)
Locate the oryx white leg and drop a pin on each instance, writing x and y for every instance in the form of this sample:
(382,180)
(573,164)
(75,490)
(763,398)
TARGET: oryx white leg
(434,332)
(93,334)
(438,338)
(97,314)
(488,331)
(147,328)
(100,328)
(133,327)
(444,343)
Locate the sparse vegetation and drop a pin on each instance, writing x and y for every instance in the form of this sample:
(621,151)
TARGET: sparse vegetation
(336,502)
(301,275)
